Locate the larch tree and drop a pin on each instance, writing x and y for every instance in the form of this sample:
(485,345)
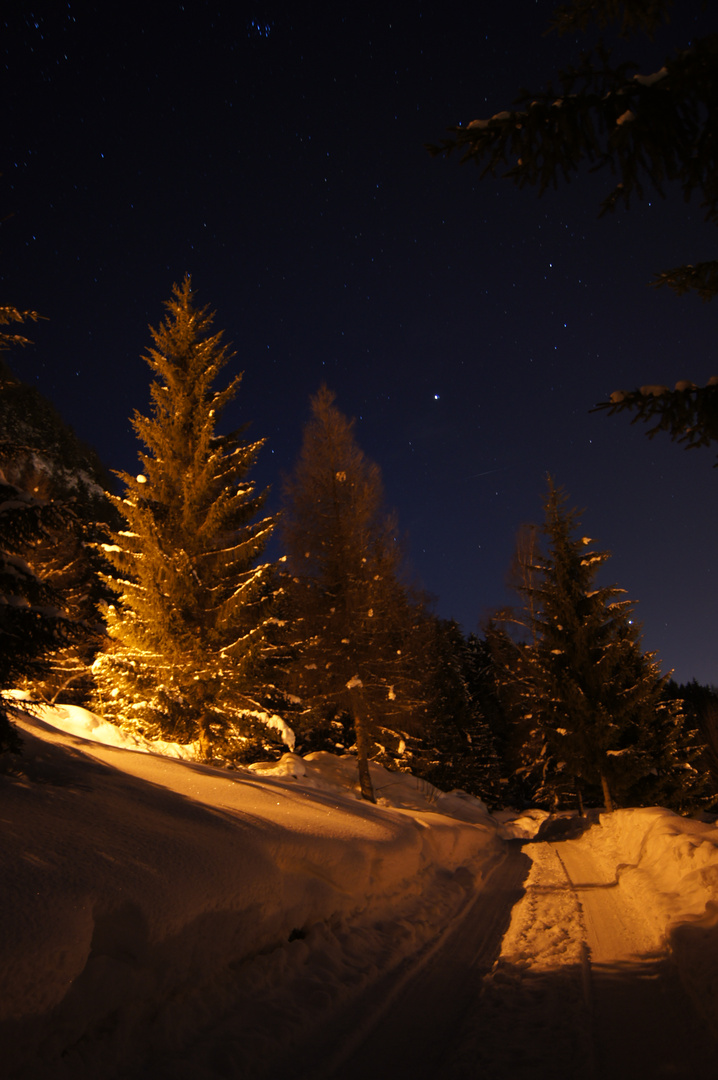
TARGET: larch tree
(594,702)
(353,626)
(187,626)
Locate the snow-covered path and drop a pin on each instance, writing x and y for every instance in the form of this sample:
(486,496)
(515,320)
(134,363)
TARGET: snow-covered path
(410,1019)
(582,986)
(167,919)
(164,920)
(576,986)
(641,1020)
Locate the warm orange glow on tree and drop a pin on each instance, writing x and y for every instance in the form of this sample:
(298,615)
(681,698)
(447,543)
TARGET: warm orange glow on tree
(189,617)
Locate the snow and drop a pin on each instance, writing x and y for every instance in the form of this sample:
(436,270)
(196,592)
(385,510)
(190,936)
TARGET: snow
(654,391)
(649,80)
(480,124)
(136,888)
(607,967)
(286,734)
(522,826)
(169,919)
(77,721)
(668,865)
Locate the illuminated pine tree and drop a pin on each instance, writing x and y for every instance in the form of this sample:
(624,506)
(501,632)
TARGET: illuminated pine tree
(188,623)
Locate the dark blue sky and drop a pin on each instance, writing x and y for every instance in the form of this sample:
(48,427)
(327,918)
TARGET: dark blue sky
(278,155)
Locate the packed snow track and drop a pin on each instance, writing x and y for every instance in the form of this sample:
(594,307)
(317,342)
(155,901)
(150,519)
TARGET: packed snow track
(547,972)
(579,987)
(640,1019)
(410,1019)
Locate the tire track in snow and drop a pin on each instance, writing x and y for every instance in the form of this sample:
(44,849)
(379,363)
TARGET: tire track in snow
(531,1021)
(408,1021)
(282,1026)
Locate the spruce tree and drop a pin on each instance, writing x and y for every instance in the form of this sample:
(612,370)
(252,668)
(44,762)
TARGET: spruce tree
(355,628)
(9,316)
(187,626)
(656,131)
(506,698)
(700,704)
(33,623)
(461,752)
(41,455)
(593,699)
(651,129)
(688,414)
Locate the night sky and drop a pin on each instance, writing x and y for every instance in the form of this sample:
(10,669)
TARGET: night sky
(276,152)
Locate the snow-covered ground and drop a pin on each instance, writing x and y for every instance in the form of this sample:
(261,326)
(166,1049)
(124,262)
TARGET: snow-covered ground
(143,896)
(163,918)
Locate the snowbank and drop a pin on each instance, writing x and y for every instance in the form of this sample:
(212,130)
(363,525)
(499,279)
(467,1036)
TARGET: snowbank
(142,896)
(77,721)
(392,789)
(668,865)
(520,826)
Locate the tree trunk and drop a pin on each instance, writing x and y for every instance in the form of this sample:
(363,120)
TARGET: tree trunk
(579,800)
(205,737)
(607,794)
(359,716)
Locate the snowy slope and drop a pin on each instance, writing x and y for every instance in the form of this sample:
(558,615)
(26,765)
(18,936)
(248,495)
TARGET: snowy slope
(134,887)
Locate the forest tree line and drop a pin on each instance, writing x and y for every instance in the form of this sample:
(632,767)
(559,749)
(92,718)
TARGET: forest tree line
(158,609)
